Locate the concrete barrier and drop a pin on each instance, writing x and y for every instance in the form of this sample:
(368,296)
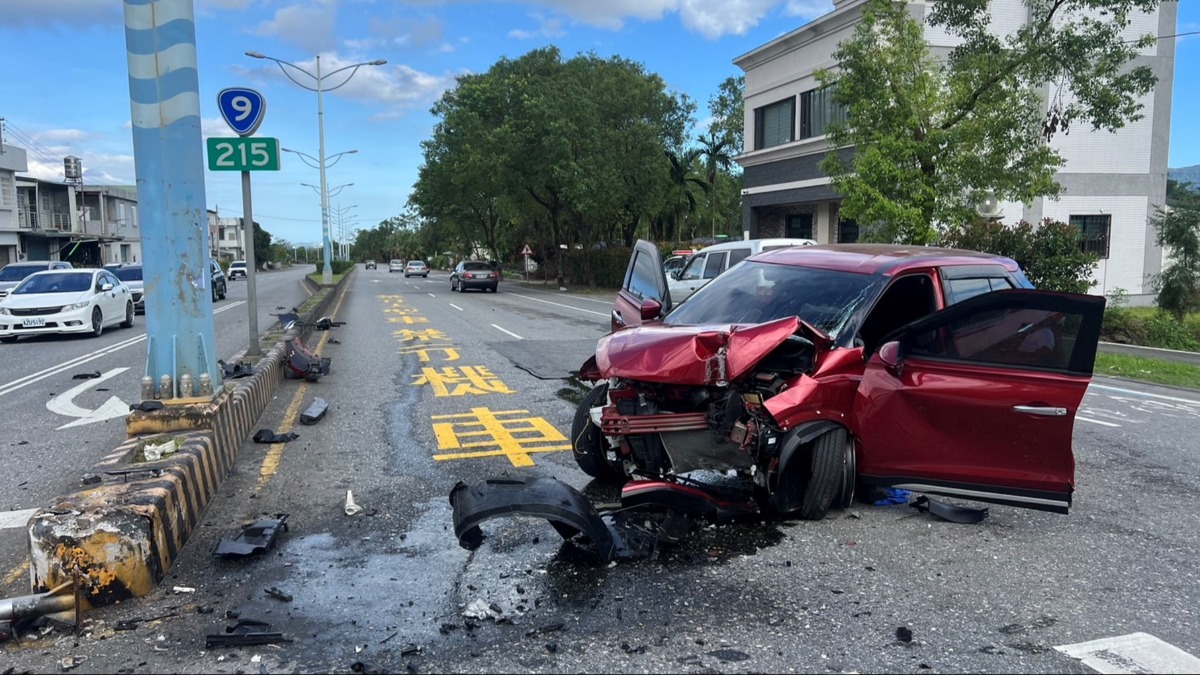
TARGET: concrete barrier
(118,539)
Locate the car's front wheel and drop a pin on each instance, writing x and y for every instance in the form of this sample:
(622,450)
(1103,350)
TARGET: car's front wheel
(97,322)
(224,290)
(588,444)
(128,322)
(826,476)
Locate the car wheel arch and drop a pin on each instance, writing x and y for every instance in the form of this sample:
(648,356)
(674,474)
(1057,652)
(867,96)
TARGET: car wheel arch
(796,461)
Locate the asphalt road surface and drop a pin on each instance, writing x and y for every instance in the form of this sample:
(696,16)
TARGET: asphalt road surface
(429,388)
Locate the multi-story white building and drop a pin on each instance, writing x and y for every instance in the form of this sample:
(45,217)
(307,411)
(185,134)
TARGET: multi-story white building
(226,237)
(1113,183)
(12,161)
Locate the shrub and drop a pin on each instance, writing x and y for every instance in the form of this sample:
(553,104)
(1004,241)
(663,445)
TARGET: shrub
(608,266)
(1178,230)
(1050,254)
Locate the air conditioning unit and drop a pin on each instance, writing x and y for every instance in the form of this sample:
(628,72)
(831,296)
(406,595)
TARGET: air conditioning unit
(989,207)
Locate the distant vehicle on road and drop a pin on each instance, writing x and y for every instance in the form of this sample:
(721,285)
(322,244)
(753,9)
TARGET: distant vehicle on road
(13,273)
(395,266)
(370,264)
(130,274)
(216,278)
(237,268)
(416,268)
(474,274)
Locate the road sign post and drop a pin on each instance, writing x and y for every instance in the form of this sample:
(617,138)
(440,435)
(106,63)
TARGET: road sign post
(526,252)
(244,110)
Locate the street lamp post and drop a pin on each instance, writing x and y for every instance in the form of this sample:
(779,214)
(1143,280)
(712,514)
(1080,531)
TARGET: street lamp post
(327,273)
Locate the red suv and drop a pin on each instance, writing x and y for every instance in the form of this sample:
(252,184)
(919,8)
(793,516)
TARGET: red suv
(811,371)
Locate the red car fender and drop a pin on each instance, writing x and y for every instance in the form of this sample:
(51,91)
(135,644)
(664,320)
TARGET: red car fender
(589,371)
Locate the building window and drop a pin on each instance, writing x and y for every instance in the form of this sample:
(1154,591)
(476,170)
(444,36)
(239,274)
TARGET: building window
(818,111)
(1093,231)
(775,124)
(847,231)
(7,196)
(799,226)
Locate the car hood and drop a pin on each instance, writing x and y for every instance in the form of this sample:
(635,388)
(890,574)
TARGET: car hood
(33,300)
(700,355)
(6,286)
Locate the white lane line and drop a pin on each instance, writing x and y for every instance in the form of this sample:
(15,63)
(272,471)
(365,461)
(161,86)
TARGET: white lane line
(12,519)
(1133,653)
(23,382)
(1192,401)
(1107,424)
(456,307)
(507,331)
(558,304)
(431,295)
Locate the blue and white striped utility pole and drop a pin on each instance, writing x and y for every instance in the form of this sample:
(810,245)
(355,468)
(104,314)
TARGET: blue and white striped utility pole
(164,93)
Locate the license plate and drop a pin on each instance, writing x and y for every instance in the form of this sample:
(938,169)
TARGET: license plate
(34,322)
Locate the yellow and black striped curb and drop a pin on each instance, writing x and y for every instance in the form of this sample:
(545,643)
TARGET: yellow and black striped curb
(119,539)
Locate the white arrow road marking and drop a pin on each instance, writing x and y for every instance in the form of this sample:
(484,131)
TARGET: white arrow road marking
(1133,653)
(64,403)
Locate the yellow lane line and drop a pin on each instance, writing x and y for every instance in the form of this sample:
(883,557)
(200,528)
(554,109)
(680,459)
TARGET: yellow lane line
(270,463)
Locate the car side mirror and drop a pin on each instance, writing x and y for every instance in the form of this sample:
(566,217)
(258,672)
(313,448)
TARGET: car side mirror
(104,288)
(892,359)
(651,309)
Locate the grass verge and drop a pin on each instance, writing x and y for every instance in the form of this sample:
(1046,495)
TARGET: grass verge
(1148,370)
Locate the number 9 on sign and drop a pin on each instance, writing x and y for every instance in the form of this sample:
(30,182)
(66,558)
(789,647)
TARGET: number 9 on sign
(243,109)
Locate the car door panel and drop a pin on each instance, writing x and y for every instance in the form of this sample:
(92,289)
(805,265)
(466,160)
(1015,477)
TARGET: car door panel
(644,282)
(982,399)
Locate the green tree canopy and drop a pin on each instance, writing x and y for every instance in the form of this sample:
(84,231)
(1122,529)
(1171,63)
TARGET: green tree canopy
(933,133)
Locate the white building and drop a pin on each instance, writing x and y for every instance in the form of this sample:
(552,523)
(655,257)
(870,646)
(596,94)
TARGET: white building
(1112,182)
(226,237)
(12,161)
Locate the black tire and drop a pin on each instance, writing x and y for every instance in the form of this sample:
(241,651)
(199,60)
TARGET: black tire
(97,322)
(492,289)
(224,290)
(825,479)
(128,322)
(214,293)
(849,475)
(454,287)
(587,444)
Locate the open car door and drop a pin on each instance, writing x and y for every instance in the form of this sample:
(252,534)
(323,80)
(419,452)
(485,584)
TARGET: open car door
(643,295)
(978,400)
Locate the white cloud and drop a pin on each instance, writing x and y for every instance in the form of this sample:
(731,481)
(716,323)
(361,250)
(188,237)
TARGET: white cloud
(308,26)
(710,18)
(394,85)
(213,126)
(73,13)
(714,18)
(548,28)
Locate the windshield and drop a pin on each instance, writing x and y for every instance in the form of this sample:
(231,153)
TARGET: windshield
(477,267)
(238,264)
(128,273)
(416,263)
(58,282)
(757,292)
(18,272)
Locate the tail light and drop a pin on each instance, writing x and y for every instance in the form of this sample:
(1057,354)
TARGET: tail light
(468,275)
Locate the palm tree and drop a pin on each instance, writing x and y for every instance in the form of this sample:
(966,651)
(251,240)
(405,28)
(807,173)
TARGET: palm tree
(684,181)
(716,157)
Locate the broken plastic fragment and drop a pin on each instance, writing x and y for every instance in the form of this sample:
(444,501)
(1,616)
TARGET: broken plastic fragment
(155,451)
(268,436)
(954,514)
(351,508)
(254,538)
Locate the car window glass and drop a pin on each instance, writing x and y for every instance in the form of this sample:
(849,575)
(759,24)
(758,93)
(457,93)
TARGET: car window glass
(129,273)
(17,272)
(756,292)
(642,281)
(694,269)
(64,282)
(1018,336)
(958,290)
(715,265)
(737,255)
(477,267)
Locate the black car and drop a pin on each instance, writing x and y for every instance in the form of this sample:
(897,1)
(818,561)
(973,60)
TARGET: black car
(217,277)
(474,274)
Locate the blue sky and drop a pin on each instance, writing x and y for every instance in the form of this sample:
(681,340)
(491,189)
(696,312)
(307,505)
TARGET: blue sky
(66,81)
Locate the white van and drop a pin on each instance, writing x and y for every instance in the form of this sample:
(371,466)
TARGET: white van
(707,263)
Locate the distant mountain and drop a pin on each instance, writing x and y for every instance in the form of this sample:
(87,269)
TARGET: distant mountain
(1186,174)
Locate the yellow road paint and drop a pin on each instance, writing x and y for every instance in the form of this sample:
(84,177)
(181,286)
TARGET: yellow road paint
(512,437)
(15,574)
(270,463)
(409,335)
(423,352)
(451,381)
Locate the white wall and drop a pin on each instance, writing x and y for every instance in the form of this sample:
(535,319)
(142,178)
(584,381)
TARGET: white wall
(1126,239)
(1125,151)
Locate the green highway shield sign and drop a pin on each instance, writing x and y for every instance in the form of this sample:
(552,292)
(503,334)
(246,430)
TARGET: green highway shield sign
(251,153)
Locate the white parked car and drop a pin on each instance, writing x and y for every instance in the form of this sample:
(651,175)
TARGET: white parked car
(704,265)
(237,268)
(65,301)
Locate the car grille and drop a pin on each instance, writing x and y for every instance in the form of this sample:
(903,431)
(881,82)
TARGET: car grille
(35,311)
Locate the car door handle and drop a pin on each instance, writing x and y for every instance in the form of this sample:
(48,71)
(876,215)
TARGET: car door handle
(1045,411)
(617,317)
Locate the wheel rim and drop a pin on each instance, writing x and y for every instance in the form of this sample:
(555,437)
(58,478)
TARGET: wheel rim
(97,321)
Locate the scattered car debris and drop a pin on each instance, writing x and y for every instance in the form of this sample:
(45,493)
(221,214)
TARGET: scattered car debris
(156,451)
(334,341)
(69,662)
(91,478)
(86,376)
(950,512)
(650,512)
(351,508)
(411,649)
(147,406)
(314,412)
(893,497)
(541,630)
(904,634)
(482,609)
(256,537)
(131,624)
(233,371)
(325,323)
(245,632)
(60,603)
(268,436)
(367,668)
(302,363)
(278,594)
(183,589)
